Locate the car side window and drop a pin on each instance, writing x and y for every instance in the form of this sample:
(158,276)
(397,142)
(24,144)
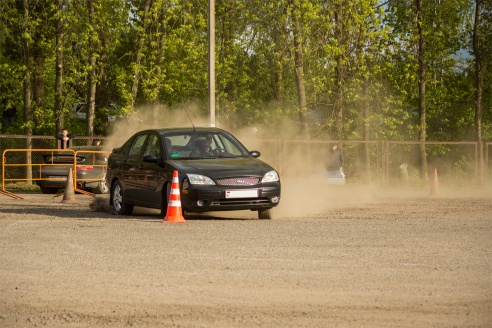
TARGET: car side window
(137,144)
(153,146)
(229,145)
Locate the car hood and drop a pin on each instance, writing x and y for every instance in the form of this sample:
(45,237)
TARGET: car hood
(223,167)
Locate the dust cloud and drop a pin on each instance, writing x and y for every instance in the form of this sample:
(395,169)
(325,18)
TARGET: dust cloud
(302,193)
(152,117)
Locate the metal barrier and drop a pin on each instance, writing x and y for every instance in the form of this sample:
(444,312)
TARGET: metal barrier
(33,172)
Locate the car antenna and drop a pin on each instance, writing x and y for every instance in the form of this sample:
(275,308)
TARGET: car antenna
(190,119)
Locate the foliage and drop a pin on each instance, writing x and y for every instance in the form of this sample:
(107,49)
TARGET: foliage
(358,57)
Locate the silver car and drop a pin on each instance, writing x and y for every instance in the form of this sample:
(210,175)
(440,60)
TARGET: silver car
(90,170)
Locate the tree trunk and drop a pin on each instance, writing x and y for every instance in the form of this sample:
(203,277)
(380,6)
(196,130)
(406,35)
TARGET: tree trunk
(162,41)
(38,89)
(279,46)
(102,96)
(299,70)
(479,75)
(91,101)
(339,76)
(422,80)
(139,55)
(27,88)
(59,115)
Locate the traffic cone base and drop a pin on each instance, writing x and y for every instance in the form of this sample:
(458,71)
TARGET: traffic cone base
(69,193)
(174,211)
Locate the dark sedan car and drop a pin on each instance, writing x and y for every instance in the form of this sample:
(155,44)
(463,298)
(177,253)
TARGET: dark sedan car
(216,172)
(89,173)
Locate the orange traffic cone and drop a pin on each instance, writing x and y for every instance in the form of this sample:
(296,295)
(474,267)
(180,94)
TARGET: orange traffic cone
(435,185)
(69,194)
(174,213)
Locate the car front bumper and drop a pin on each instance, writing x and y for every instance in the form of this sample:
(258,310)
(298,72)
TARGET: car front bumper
(202,199)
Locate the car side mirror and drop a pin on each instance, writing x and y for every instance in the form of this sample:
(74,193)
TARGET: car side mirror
(150,159)
(255,153)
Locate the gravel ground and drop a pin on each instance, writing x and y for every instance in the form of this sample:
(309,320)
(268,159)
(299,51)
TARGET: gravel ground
(347,257)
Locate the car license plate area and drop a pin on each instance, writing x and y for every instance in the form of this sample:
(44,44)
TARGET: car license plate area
(248,193)
(57,178)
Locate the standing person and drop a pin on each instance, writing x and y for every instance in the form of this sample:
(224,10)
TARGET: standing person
(335,160)
(64,139)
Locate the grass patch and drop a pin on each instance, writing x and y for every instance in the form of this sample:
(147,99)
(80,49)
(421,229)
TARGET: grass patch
(22,186)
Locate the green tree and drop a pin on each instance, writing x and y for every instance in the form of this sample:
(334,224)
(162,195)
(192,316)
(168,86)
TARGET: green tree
(426,38)
(482,27)
(376,69)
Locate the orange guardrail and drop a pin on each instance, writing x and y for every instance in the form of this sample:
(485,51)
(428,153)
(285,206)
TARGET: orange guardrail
(33,171)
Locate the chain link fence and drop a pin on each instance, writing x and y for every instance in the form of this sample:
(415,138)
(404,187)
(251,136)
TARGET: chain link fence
(385,163)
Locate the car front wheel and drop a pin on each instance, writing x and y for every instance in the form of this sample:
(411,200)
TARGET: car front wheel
(119,205)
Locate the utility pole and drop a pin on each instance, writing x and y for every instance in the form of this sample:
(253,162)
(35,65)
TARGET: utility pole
(211,61)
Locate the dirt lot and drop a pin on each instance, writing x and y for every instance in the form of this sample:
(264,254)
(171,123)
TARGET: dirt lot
(349,257)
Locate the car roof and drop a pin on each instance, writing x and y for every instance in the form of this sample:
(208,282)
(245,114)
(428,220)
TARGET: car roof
(185,130)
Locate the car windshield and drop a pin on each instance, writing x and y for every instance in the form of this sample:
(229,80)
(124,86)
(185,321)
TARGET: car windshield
(203,144)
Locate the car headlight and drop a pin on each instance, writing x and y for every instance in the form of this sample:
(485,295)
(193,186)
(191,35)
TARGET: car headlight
(199,179)
(271,176)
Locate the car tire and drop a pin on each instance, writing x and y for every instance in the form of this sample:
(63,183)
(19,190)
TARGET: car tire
(119,205)
(265,214)
(48,190)
(102,188)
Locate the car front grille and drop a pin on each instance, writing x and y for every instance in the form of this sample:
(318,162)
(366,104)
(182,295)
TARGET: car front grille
(239,181)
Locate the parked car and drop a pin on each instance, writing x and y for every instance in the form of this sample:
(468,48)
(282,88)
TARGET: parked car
(90,170)
(79,111)
(226,177)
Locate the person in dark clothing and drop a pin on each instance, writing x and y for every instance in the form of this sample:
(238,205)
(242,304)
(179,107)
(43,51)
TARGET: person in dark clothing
(335,160)
(64,139)
(203,148)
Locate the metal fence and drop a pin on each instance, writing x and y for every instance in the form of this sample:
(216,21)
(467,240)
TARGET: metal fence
(9,141)
(27,165)
(385,163)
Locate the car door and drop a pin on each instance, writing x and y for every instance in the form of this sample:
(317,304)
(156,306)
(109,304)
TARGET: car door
(150,173)
(131,167)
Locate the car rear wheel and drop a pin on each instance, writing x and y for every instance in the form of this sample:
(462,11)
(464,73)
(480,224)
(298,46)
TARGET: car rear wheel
(265,214)
(48,190)
(119,204)
(102,188)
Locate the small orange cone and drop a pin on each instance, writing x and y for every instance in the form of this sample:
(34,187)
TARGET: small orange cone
(174,213)
(435,185)
(69,194)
